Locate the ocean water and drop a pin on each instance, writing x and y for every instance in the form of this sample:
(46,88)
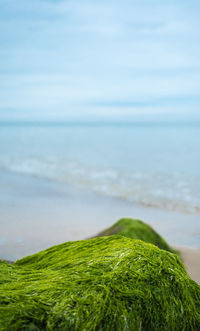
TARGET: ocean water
(150,164)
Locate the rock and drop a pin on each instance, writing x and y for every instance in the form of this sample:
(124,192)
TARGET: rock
(108,283)
(136,229)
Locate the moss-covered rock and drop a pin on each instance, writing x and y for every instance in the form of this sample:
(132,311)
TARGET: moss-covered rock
(109,283)
(136,229)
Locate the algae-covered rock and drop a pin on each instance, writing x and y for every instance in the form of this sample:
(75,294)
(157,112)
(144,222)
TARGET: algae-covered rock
(136,229)
(109,283)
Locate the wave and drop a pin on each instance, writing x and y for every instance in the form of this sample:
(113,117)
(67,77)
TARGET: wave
(159,190)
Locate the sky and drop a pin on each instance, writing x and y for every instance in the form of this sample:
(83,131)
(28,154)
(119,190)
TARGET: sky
(63,60)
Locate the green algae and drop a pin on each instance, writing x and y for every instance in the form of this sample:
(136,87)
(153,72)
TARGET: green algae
(109,283)
(137,229)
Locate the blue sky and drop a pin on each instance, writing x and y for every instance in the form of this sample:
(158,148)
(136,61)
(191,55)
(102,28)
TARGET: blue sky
(77,59)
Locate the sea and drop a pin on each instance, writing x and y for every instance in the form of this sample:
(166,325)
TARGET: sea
(149,164)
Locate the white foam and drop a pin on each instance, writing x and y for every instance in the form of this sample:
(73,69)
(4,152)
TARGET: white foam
(160,190)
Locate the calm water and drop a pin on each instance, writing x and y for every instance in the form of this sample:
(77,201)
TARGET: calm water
(149,164)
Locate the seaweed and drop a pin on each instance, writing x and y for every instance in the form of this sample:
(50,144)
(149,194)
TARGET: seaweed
(106,283)
(137,229)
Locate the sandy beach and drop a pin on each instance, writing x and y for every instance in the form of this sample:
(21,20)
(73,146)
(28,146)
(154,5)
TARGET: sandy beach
(36,214)
(191,258)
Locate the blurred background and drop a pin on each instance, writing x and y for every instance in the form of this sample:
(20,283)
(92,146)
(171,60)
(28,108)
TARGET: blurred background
(99,118)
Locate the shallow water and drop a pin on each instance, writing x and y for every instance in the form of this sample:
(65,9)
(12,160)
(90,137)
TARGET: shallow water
(154,165)
(36,214)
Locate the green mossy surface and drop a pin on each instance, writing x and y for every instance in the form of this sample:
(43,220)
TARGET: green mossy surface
(109,283)
(137,229)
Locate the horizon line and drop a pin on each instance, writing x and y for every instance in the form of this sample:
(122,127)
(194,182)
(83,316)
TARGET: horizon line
(96,122)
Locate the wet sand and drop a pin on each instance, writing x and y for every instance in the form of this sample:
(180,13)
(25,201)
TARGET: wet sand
(36,214)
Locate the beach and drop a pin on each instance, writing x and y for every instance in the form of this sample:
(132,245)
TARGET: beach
(99,166)
(191,258)
(37,213)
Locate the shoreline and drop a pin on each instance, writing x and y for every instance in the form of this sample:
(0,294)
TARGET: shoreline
(37,214)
